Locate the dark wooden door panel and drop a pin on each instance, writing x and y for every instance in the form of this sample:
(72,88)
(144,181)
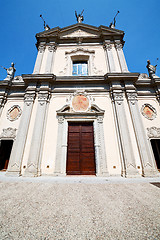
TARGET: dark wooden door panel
(80,154)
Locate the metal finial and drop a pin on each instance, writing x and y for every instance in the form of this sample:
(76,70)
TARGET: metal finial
(46,27)
(113,23)
(79,17)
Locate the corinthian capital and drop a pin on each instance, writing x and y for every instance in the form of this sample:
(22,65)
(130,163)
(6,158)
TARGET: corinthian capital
(117,97)
(41,48)
(118,46)
(43,97)
(107,46)
(52,48)
(29,98)
(132,97)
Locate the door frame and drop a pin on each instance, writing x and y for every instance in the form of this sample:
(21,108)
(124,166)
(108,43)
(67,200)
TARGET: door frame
(8,134)
(99,144)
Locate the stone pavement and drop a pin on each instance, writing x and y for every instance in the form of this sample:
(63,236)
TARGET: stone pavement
(85,208)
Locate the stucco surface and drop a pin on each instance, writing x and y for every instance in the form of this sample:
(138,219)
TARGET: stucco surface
(76,208)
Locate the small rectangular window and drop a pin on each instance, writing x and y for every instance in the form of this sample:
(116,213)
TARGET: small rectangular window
(80,68)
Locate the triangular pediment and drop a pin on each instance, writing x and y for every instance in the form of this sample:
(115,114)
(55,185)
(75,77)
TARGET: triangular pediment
(79,30)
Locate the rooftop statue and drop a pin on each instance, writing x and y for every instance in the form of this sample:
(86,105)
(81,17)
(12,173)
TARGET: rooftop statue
(151,69)
(79,17)
(113,23)
(10,72)
(46,27)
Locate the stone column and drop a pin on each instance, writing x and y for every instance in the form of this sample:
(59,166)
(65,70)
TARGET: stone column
(38,63)
(145,151)
(123,171)
(16,157)
(61,151)
(128,156)
(33,166)
(110,59)
(121,57)
(51,51)
(100,150)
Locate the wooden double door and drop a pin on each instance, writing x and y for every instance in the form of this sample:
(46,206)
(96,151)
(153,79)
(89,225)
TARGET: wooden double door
(80,154)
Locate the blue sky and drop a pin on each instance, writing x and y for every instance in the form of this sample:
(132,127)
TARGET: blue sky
(20,21)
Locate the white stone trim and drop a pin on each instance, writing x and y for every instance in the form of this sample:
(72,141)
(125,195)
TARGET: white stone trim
(80,53)
(8,134)
(153,132)
(99,144)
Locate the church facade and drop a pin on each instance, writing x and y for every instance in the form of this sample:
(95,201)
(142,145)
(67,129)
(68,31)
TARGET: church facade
(81,112)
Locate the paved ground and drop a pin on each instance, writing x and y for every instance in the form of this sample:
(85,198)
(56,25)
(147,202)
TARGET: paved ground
(79,208)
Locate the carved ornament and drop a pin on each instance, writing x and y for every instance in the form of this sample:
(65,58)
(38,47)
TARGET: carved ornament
(29,98)
(132,97)
(8,133)
(118,97)
(107,46)
(14,113)
(148,111)
(80,50)
(118,46)
(153,132)
(43,97)
(52,48)
(41,48)
(81,103)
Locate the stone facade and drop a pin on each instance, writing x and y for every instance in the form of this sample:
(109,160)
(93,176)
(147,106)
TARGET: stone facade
(35,109)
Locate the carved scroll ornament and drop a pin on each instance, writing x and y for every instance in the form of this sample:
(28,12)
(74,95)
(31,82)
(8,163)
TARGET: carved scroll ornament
(153,132)
(8,133)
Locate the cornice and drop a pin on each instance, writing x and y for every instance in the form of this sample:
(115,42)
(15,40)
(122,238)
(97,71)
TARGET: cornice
(110,77)
(79,79)
(38,77)
(100,34)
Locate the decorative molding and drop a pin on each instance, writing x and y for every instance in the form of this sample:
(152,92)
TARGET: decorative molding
(14,113)
(153,132)
(143,76)
(18,79)
(69,109)
(29,98)
(8,133)
(64,71)
(107,46)
(43,97)
(52,48)
(90,54)
(132,97)
(80,50)
(100,119)
(118,97)
(94,69)
(118,46)
(41,48)
(148,111)
(60,119)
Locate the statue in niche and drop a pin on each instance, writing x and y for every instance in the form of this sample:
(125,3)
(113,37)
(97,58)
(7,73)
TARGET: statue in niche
(10,72)
(79,17)
(151,69)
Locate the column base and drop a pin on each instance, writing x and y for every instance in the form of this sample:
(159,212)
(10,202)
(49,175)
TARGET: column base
(103,174)
(150,173)
(13,174)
